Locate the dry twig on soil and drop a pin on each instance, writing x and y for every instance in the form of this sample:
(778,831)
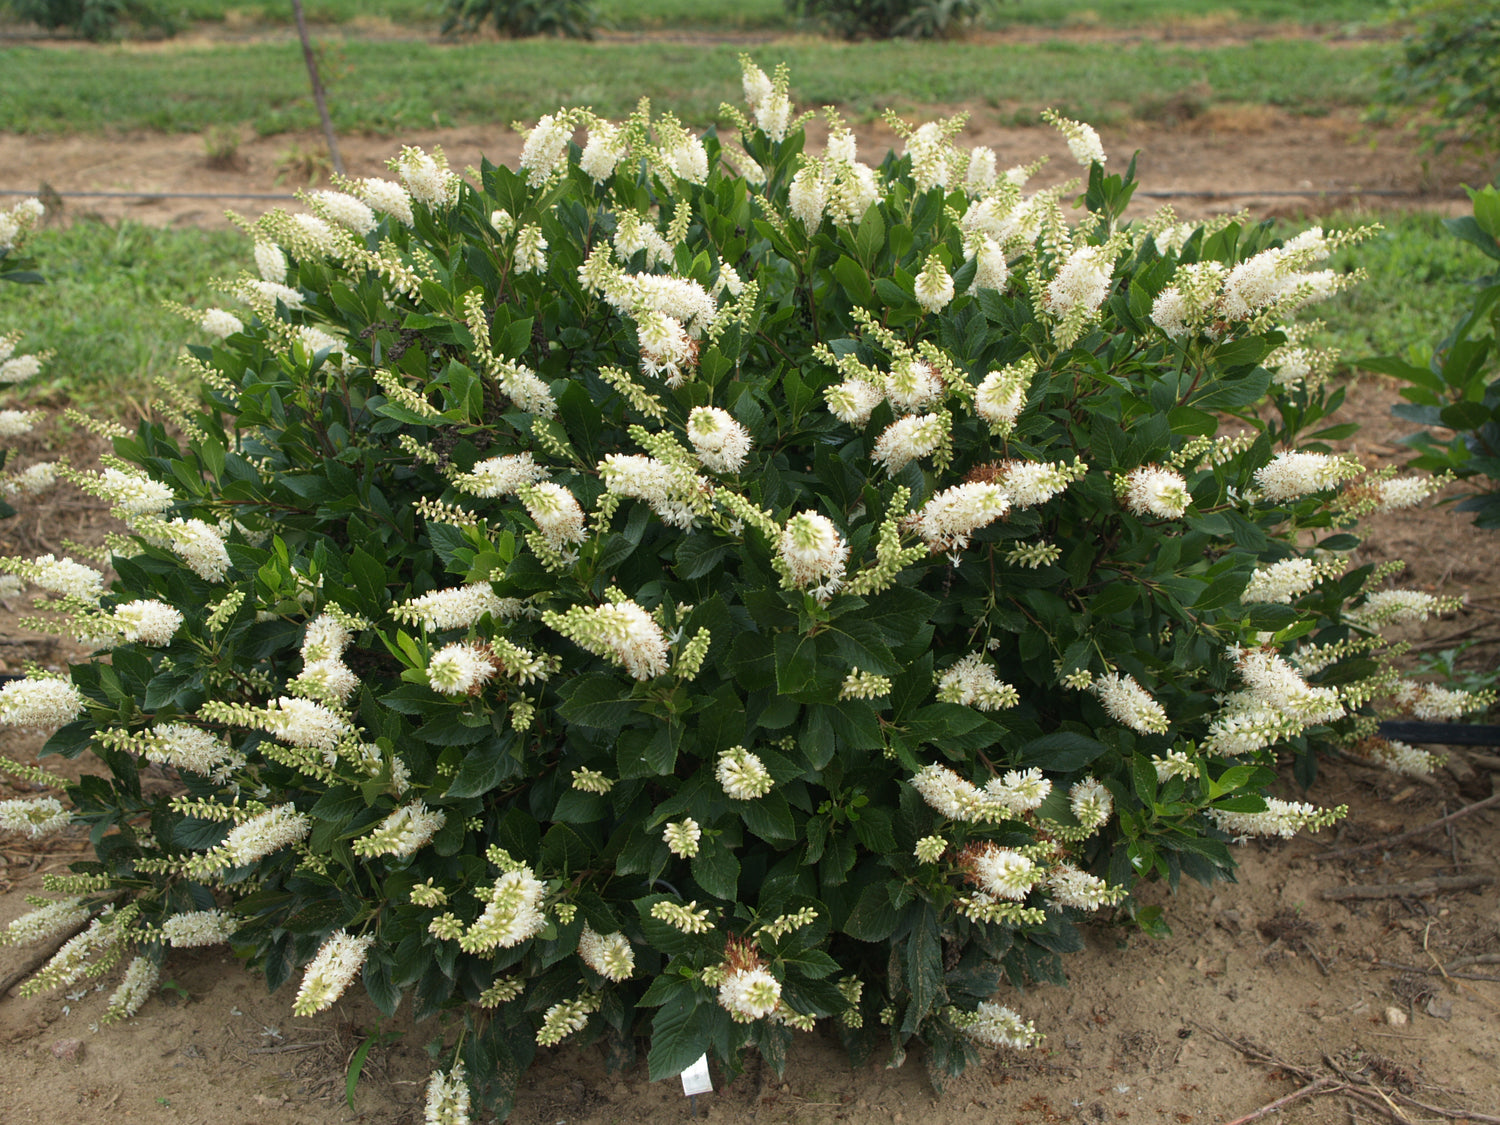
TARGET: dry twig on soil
(1419,889)
(1340,853)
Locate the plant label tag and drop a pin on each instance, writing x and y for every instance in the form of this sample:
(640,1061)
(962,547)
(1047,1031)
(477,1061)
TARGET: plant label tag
(695,1079)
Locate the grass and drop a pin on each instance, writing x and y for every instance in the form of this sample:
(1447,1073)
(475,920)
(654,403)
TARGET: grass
(1418,284)
(740,15)
(390,87)
(100,307)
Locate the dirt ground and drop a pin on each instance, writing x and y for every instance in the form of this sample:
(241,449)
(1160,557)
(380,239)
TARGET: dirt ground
(1263,988)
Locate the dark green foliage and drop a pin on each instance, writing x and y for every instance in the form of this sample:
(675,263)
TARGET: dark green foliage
(1458,392)
(96,19)
(1450,64)
(521,19)
(893,19)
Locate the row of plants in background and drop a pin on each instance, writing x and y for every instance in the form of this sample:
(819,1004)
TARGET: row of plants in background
(1449,70)
(690,588)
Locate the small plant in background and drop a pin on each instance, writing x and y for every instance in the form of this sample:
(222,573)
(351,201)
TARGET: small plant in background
(303,164)
(892,19)
(1450,65)
(520,19)
(96,19)
(692,588)
(1458,392)
(221,148)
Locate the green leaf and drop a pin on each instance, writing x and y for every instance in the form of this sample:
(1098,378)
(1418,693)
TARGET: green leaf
(873,917)
(769,817)
(484,768)
(1061,751)
(716,870)
(680,1033)
(869,238)
(597,700)
(796,663)
(924,966)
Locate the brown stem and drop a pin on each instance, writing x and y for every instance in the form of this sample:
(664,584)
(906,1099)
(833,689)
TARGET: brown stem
(317,88)
(1317,1086)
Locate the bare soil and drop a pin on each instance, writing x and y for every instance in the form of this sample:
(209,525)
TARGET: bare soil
(1262,988)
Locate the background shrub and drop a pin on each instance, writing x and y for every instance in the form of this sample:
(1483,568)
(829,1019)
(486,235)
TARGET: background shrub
(1450,61)
(522,18)
(892,19)
(96,19)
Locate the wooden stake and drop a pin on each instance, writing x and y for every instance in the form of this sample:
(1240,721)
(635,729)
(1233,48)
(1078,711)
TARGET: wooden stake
(317,89)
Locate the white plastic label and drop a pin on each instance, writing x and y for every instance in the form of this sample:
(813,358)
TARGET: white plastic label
(695,1079)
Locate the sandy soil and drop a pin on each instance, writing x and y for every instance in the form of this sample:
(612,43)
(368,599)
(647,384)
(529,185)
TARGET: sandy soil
(1258,979)
(1201,161)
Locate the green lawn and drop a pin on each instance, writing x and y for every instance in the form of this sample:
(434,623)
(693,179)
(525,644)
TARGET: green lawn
(387,87)
(100,308)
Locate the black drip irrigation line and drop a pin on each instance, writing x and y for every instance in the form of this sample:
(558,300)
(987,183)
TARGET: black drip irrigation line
(1206,193)
(154,194)
(1445,734)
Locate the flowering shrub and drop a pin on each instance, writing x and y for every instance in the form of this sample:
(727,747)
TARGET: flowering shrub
(692,588)
(16,224)
(1459,390)
(1448,65)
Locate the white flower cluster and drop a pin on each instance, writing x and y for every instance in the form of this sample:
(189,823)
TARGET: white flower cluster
(186,747)
(949,518)
(1151,490)
(198,927)
(1281,818)
(344,209)
(1002,395)
(447,1098)
(39,701)
(512,913)
(198,545)
(836,184)
(556,513)
(425,177)
(1129,703)
(910,439)
(402,833)
(687,919)
(812,554)
(749,994)
(18,219)
(995,1026)
(1283,581)
(672,489)
(385,196)
(957,799)
(1276,703)
(141,978)
(36,818)
(743,775)
(1292,475)
(565,1017)
(1091,803)
(1432,703)
(1398,607)
(329,973)
(622,632)
(58,576)
(16,368)
(682,836)
(1003,872)
(461,668)
(459,607)
(147,622)
(1068,885)
(500,476)
(721,443)
(45,921)
(973,683)
(1399,757)
(767,99)
(261,835)
(609,955)
(864,685)
(132,494)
